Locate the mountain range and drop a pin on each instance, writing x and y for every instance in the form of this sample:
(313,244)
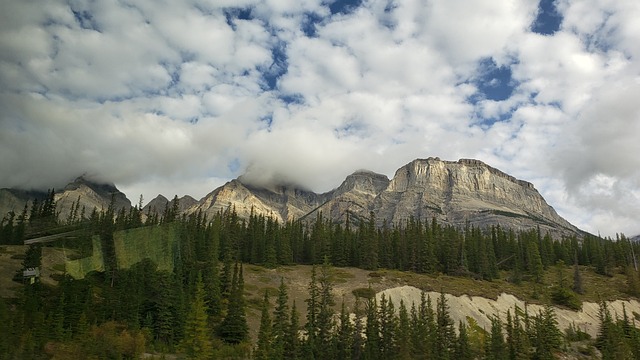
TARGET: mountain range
(458,193)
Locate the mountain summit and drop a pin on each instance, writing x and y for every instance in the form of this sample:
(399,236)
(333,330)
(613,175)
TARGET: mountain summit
(459,193)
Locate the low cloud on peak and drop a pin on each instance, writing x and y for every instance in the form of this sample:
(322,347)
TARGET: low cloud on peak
(179,98)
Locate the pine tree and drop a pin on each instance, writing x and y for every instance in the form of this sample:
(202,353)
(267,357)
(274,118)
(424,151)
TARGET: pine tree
(265,337)
(358,343)
(535,265)
(292,343)
(388,328)
(517,340)
(372,331)
(325,322)
(234,328)
(463,348)
(496,349)
(344,335)
(445,333)
(404,333)
(197,341)
(313,308)
(578,287)
(546,335)
(280,322)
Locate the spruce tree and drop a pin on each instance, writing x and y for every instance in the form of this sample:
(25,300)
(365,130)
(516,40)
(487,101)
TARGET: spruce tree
(463,348)
(265,337)
(358,343)
(292,342)
(372,331)
(280,321)
(234,328)
(344,335)
(313,308)
(445,334)
(546,336)
(404,333)
(578,287)
(388,328)
(496,349)
(325,323)
(197,336)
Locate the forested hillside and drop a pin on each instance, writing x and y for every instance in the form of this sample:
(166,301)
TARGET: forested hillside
(195,304)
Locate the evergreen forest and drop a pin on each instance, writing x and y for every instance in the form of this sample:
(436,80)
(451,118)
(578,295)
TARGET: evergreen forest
(198,309)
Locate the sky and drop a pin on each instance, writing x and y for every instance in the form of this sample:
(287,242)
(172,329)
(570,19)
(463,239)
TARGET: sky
(179,97)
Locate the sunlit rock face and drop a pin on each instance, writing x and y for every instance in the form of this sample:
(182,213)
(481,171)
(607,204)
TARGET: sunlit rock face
(459,193)
(466,192)
(83,193)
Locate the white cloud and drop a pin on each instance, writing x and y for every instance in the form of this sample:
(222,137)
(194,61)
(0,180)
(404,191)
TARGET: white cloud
(175,95)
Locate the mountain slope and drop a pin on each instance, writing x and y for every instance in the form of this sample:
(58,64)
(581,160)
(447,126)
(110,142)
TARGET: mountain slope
(454,192)
(458,193)
(89,195)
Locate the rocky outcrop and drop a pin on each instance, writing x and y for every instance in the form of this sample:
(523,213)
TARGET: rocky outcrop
(466,192)
(283,203)
(482,309)
(159,203)
(459,193)
(89,195)
(81,194)
(14,200)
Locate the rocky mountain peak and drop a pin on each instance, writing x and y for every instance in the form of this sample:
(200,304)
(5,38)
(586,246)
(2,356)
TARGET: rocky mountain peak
(459,193)
(90,195)
(363,181)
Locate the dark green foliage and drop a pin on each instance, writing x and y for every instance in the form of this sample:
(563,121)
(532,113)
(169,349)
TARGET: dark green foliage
(365,293)
(265,336)
(565,297)
(123,304)
(388,328)
(344,335)
(445,337)
(280,322)
(292,341)
(496,348)
(197,335)
(463,348)
(573,333)
(372,331)
(617,339)
(234,328)
(578,286)
(545,335)
(403,337)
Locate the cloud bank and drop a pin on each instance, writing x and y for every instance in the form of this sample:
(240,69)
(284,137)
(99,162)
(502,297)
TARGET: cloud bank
(179,97)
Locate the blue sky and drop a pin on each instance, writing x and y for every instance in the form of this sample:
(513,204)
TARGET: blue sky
(180,97)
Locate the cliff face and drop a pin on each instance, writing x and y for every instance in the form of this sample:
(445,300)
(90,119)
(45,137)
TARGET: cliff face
(459,193)
(159,203)
(454,192)
(89,195)
(466,191)
(282,203)
(12,200)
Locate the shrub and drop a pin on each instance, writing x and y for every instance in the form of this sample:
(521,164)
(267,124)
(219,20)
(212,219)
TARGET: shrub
(565,297)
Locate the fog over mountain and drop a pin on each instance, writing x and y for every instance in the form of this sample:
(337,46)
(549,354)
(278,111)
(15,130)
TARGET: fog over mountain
(179,98)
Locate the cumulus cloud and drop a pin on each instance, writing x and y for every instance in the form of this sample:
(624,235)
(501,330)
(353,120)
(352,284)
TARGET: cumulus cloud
(179,97)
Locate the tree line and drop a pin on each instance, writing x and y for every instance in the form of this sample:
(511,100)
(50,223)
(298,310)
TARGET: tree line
(198,309)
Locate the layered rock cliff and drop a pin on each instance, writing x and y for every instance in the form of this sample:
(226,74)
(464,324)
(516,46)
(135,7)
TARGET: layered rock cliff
(89,195)
(459,193)
(159,203)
